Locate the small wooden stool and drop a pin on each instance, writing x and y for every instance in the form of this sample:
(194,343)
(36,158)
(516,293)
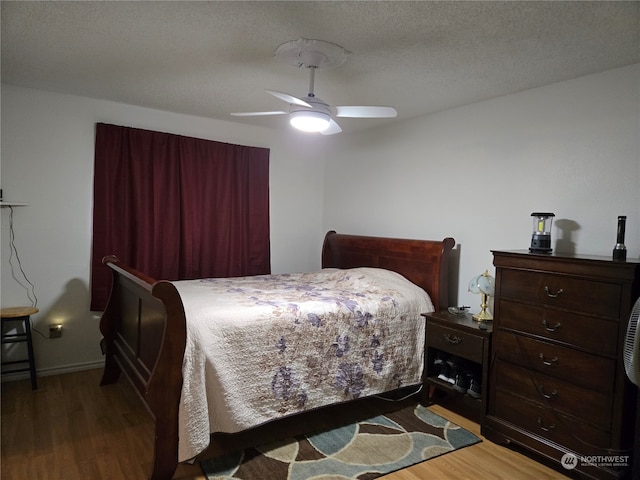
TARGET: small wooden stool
(20,314)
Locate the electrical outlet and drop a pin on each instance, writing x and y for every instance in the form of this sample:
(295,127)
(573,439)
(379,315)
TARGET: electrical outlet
(55,330)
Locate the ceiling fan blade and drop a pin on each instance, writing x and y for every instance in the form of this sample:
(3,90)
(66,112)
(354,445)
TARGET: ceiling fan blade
(333,128)
(366,112)
(289,98)
(256,114)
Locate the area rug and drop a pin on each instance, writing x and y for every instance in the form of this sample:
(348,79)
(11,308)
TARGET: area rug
(363,451)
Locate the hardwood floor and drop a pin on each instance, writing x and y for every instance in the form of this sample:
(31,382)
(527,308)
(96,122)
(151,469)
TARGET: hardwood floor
(71,428)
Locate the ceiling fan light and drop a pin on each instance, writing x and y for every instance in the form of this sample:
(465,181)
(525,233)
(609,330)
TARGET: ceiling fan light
(309,121)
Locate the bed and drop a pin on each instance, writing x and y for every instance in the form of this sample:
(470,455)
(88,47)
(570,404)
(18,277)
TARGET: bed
(146,336)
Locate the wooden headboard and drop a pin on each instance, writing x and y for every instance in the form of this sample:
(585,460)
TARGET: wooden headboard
(424,262)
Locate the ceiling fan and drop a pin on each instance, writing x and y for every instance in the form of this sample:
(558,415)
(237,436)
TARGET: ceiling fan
(311,113)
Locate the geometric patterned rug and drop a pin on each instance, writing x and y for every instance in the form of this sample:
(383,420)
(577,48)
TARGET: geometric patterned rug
(363,451)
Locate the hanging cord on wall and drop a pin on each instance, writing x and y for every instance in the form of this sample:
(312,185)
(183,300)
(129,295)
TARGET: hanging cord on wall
(31,293)
(24,282)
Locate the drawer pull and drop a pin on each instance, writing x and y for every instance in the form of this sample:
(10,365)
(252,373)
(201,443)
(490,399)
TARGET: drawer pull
(548,396)
(454,339)
(546,429)
(548,363)
(552,295)
(551,329)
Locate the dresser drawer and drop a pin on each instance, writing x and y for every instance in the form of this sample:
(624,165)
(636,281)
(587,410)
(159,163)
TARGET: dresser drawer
(462,344)
(585,332)
(576,294)
(580,368)
(595,407)
(552,425)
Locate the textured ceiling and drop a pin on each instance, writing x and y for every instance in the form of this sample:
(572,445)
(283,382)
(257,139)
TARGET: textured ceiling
(213,58)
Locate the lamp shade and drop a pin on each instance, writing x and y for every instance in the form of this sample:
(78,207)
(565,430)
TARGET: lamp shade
(482,284)
(309,120)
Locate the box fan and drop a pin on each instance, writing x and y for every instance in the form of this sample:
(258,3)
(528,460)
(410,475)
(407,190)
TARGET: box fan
(632,345)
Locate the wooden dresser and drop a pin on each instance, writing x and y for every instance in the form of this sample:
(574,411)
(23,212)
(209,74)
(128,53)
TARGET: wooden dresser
(557,384)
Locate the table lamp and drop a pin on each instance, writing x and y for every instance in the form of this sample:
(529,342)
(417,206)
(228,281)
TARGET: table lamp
(485,286)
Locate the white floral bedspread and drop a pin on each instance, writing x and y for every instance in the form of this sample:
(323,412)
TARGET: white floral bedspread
(263,347)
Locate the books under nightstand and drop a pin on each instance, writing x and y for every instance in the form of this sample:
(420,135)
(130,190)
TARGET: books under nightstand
(457,360)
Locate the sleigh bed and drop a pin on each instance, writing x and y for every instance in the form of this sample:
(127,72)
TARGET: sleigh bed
(173,340)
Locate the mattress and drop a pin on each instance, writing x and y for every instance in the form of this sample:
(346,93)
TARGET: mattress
(264,347)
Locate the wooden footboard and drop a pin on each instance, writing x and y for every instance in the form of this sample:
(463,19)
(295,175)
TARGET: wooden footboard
(144,326)
(144,336)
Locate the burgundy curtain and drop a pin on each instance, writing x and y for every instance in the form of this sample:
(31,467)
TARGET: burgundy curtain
(177,207)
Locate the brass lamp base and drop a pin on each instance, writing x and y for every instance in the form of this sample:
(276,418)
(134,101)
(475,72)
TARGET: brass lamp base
(483,316)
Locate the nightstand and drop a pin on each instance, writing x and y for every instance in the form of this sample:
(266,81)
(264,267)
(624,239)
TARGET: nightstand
(459,337)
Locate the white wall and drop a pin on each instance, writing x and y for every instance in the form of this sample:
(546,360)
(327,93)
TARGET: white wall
(476,173)
(47,161)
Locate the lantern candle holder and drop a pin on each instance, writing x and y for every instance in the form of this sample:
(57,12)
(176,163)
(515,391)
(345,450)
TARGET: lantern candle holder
(541,237)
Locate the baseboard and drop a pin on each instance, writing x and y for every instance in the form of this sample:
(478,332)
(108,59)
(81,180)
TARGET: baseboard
(46,372)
